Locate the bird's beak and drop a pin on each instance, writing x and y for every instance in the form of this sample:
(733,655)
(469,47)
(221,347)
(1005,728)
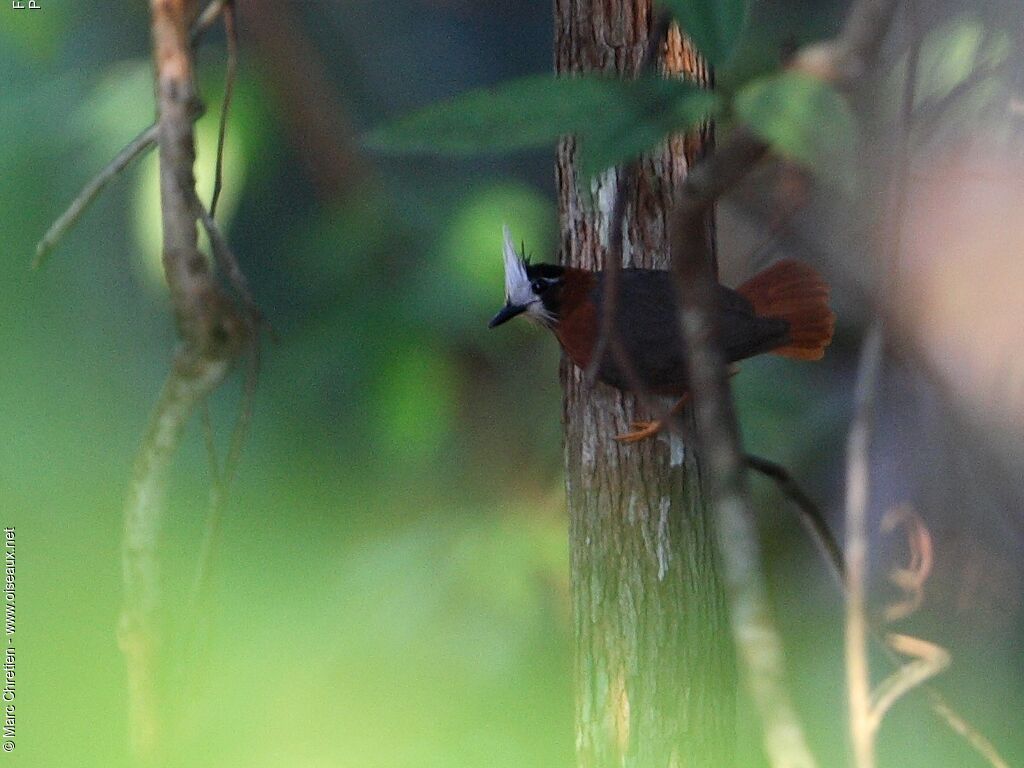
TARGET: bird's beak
(507,313)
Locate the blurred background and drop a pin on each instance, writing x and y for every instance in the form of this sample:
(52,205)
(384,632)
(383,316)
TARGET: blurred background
(392,582)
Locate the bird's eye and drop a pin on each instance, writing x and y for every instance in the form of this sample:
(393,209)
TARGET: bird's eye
(538,286)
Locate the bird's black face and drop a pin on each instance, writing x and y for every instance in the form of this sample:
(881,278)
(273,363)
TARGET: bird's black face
(538,296)
(546,281)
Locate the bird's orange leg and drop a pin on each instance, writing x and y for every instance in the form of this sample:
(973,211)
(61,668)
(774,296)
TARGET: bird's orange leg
(643,430)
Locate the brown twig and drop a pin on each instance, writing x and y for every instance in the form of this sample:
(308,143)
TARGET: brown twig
(224,257)
(231,34)
(929,659)
(137,147)
(222,476)
(207,18)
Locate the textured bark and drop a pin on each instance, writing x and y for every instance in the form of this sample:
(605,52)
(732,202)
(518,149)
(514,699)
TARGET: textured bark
(654,662)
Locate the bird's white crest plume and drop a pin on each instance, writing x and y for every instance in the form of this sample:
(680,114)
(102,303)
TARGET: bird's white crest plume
(517,283)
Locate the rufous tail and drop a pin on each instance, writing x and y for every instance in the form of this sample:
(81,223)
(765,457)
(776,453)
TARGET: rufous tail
(796,293)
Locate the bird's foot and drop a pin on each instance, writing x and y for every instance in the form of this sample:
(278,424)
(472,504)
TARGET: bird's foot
(642,430)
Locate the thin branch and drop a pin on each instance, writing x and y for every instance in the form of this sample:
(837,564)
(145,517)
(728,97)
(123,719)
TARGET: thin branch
(228,264)
(210,443)
(810,515)
(222,478)
(221,484)
(137,147)
(929,660)
(960,726)
(231,35)
(207,18)
(911,580)
(901,166)
(858,679)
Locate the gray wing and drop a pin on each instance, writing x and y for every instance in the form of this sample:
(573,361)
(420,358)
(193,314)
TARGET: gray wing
(648,325)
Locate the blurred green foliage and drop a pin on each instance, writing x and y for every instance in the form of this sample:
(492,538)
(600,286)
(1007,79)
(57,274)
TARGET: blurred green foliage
(34,35)
(962,82)
(805,120)
(956,52)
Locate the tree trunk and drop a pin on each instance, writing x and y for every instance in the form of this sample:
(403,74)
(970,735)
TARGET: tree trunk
(655,679)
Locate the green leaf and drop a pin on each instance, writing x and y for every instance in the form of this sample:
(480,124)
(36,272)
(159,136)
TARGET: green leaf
(535,111)
(713,25)
(530,112)
(954,53)
(804,119)
(673,106)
